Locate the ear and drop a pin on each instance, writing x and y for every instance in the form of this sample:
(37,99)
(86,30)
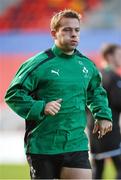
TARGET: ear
(53,33)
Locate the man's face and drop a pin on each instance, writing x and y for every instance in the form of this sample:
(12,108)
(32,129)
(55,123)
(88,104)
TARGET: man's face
(67,35)
(115,58)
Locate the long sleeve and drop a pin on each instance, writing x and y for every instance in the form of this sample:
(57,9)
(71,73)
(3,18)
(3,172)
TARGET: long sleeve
(18,95)
(97,98)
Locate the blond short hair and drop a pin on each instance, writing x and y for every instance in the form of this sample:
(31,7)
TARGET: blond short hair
(67,13)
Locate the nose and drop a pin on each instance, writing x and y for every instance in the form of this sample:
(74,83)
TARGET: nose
(74,33)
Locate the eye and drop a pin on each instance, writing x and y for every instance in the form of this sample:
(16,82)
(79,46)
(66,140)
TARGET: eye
(67,29)
(77,30)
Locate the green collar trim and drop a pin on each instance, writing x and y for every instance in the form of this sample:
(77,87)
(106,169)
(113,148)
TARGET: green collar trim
(60,53)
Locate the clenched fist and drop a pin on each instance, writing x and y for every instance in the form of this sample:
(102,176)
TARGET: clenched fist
(52,108)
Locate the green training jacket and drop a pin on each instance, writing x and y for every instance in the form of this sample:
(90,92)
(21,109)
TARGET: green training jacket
(49,76)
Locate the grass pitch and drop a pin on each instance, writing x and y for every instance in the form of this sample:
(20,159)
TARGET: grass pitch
(22,171)
(14,171)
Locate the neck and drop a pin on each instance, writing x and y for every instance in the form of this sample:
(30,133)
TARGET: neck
(68,52)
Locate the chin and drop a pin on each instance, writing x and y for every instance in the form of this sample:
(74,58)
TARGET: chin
(72,48)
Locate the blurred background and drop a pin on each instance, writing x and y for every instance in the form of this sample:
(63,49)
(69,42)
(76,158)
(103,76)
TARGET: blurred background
(24,31)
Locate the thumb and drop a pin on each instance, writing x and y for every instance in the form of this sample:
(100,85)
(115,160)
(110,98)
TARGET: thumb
(59,100)
(96,127)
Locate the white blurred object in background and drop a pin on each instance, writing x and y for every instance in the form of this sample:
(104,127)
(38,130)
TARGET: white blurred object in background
(12,148)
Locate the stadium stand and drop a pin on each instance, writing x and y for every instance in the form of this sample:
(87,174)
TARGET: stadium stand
(29,14)
(107,16)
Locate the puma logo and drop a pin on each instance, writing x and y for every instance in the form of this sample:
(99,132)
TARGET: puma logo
(55,72)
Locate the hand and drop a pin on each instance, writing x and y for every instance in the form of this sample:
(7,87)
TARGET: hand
(52,107)
(102,127)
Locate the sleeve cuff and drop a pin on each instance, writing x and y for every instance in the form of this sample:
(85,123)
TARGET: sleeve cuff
(104,115)
(37,111)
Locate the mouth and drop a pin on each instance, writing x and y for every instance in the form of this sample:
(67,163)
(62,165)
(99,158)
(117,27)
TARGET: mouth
(74,42)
